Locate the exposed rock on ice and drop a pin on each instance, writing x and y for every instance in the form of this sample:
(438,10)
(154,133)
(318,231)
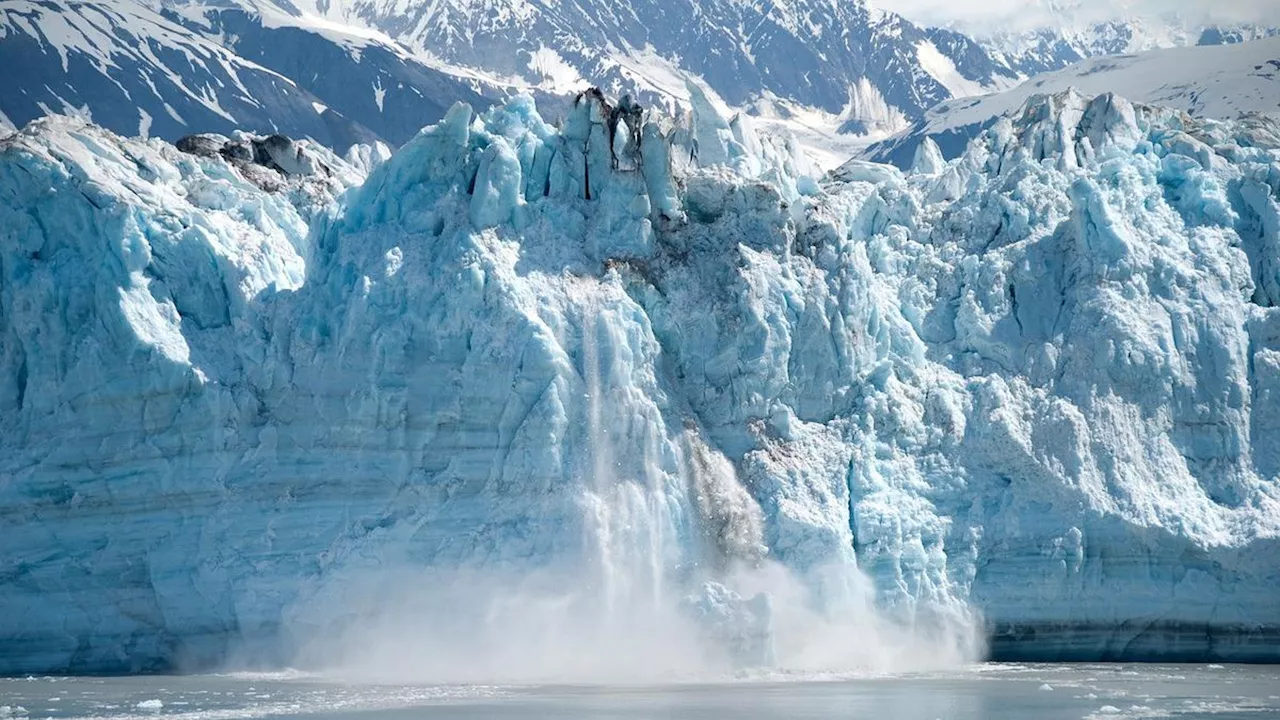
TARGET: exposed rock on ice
(270,161)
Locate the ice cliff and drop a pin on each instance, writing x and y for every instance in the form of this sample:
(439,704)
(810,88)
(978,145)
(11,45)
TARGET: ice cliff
(1036,386)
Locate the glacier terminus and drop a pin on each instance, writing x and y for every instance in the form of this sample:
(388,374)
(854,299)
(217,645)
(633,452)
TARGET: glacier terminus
(520,385)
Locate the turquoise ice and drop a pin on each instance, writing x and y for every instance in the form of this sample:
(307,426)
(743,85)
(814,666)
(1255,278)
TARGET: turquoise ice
(1034,389)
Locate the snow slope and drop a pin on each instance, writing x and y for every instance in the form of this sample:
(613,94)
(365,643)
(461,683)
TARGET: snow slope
(1208,81)
(363,75)
(1045,35)
(140,68)
(1037,383)
(140,74)
(343,73)
(809,51)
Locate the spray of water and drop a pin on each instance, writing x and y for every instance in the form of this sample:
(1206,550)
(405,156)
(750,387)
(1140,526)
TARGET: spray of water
(672,584)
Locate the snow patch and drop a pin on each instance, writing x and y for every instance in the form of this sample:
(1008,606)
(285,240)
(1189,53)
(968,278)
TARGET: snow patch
(942,69)
(556,74)
(870,113)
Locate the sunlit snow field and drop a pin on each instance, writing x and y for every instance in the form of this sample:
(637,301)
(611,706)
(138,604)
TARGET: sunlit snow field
(990,691)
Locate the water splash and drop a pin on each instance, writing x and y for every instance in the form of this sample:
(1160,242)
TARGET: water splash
(668,579)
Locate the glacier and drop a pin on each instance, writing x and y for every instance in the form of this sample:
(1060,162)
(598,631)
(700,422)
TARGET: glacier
(681,387)
(1214,81)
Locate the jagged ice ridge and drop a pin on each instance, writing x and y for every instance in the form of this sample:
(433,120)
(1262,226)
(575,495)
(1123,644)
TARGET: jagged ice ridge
(1035,385)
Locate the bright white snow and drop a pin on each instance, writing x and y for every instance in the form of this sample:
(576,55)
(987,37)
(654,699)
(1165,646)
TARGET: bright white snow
(944,71)
(1220,81)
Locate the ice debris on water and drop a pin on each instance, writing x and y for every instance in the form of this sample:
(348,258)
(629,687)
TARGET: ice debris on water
(742,627)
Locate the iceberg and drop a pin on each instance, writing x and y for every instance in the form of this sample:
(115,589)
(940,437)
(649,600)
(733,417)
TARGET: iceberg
(1027,395)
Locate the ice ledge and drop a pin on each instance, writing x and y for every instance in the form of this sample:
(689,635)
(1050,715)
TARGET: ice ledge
(1166,642)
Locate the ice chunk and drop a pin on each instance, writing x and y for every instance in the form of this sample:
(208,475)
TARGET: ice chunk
(928,158)
(863,171)
(742,627)
(713,142)
(496,198)
(656,163)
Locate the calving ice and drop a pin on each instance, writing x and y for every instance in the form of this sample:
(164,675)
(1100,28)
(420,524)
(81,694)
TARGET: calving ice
(499,406)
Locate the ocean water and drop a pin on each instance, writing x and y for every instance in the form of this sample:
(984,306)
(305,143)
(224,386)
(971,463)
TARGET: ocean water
(993,691)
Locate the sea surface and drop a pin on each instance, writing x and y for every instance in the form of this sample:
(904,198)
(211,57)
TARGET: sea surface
(993,691)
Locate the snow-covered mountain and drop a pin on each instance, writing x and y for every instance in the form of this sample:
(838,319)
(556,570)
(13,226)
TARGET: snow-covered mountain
(1044,35)
(809,51)
(838,75)
(140,73)
(532,393)
(1233,34)
(341,72)
(1047,49)
(139,69)
(1222,81)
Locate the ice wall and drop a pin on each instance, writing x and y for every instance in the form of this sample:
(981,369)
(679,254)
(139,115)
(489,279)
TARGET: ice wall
(1034,383)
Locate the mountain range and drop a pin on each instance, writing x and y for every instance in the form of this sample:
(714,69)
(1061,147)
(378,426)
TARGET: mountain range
(1219,81)
(379,70)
